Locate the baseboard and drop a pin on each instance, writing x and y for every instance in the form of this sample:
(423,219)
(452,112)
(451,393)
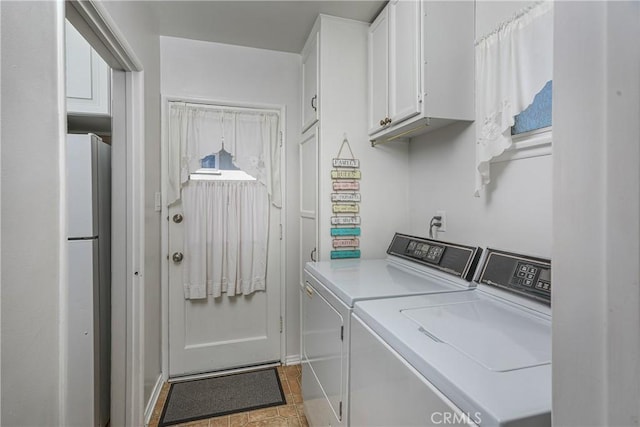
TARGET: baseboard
(292,359)
(151,404)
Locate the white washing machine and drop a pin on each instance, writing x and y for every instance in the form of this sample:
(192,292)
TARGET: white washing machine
(481,357)
(414,266)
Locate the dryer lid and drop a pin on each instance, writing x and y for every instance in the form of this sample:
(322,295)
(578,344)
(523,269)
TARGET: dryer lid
(500,337)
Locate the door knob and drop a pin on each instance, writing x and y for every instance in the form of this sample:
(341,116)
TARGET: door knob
(177,257)
(177,218)
(382,122)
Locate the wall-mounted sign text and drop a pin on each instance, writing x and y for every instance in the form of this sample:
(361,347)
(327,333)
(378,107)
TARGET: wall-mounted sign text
(345,197)
(351,231)
(346,243)
(345,254)
(345,220)
(346,163)
(346,185)
(345,174)
(345,208)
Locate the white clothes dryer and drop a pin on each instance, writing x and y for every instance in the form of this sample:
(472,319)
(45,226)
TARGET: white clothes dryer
(414,266)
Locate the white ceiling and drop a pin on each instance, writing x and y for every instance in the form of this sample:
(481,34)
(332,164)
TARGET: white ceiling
(274,25)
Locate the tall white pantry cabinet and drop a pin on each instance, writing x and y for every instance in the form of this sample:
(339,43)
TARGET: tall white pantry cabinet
(334,99)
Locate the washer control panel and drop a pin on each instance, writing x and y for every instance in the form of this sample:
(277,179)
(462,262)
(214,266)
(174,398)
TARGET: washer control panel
(459,260)
(523,274)
(425,251)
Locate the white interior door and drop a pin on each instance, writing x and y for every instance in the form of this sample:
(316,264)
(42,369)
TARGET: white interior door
(213,334)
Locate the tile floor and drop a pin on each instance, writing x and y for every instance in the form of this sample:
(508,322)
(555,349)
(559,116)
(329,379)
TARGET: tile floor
(287,415)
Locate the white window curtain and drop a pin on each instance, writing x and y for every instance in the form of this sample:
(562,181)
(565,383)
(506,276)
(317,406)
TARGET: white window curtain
(226,233)
(250,136)
(512,65)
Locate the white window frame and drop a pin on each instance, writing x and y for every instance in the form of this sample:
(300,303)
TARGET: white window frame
(534,143)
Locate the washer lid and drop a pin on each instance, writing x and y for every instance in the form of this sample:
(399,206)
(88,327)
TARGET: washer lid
(500,337)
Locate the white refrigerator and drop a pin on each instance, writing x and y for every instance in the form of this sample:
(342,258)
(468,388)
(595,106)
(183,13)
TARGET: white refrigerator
(89,299)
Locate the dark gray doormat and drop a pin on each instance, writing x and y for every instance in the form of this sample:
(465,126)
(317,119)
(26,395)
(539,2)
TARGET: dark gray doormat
(224,395)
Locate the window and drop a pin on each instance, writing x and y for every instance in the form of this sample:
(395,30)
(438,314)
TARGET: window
(532,129)
(219,166)
(537,115)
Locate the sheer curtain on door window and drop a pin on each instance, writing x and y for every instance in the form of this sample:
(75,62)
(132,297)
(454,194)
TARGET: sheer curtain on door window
(226,235)
(226,221)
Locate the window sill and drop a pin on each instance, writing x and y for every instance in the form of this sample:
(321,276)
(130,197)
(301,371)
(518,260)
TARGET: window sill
(536,143)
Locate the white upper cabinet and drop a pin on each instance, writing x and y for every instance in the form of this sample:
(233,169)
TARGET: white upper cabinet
(310,110)
(421,68)
(379,71)
(88,77)
(404,60)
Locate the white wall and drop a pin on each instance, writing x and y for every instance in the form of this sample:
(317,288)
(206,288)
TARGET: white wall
(515,210)
(196,69)
(33,232)
(596,242)
(139,29)
(343,109)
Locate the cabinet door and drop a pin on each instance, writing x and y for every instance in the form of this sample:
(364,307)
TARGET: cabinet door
(87,77)
(323,354)
(308,197)
(310,63)
(404,59)
(378,71)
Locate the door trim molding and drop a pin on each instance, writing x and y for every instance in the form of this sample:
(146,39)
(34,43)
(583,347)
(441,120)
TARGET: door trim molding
(127,380)
(164,234)
(93,21)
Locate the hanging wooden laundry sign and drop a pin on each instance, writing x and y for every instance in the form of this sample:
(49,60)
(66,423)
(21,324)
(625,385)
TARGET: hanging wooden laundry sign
(346,185)
(346,243)
(345,208)
(346,163)
(351,231)
(345,220)
(345,174)
(345,254)
(345,197)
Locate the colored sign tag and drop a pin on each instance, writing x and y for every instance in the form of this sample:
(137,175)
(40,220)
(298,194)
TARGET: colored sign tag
(345,174)
(345,220)
(346,163)
(345,254)
(345,208)
(348,185)
(351,231)
(346,243)
(345,197)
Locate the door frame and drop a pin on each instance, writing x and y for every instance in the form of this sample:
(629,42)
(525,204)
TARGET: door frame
(127,329)
(164,234)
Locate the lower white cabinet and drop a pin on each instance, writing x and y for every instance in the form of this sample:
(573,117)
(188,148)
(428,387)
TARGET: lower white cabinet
(385,390)
(324,357)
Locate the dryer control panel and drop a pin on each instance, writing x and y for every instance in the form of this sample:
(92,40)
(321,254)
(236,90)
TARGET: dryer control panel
(459,260)
(530,276)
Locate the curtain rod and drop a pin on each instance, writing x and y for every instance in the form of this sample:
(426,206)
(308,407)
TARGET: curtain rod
(515,17)
(225,108)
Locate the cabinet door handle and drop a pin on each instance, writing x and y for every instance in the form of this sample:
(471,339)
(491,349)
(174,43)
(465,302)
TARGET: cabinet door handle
(312,256)
(387,121)
(313,102)
(309,290)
